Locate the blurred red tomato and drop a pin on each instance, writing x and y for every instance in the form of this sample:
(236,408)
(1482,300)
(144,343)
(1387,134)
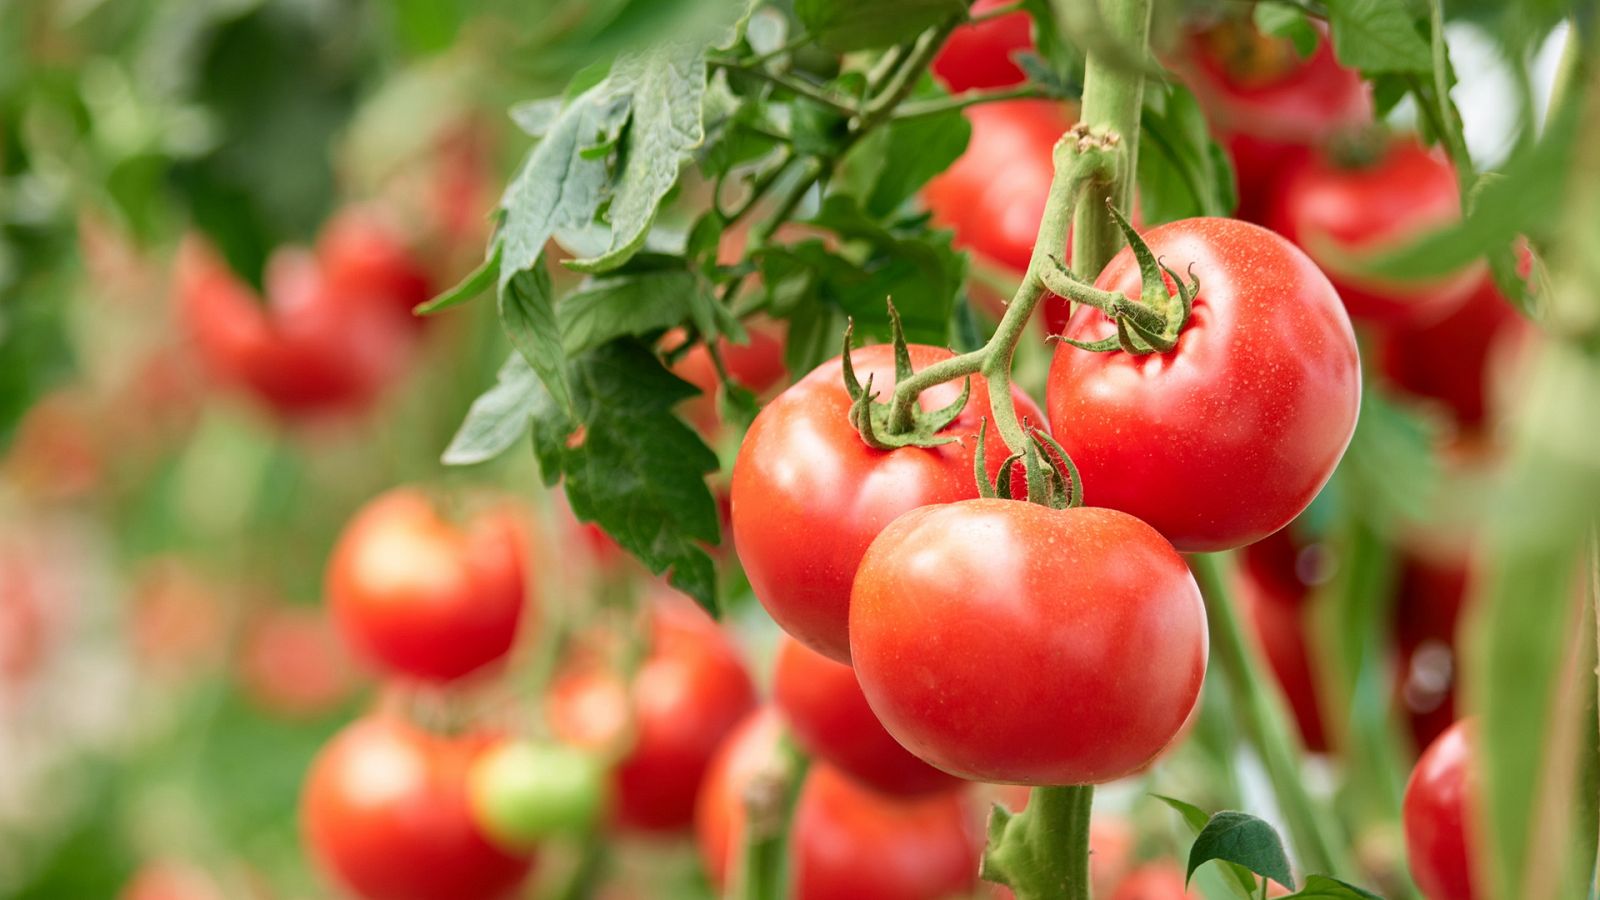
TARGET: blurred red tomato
(757,366)
(170,879)
(291,663)
(178,624)
(57,451)
(1267,104)
(980,55)
(422,597)
(306,350)
(847,841)
(24,628)
(1161,880)
(385,812)
(824,707)
(1438,817)
(366,259)
(690,690)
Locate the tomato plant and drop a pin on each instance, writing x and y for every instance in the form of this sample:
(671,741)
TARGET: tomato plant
(423,598)
(385,811)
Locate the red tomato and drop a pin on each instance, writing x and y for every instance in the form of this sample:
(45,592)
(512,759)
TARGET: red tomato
(170,879)
(385,812)
(757,365)
(1155,881)
(58,448)
(1450,361)
(979,55)
(1274,601)
(690,691)
(809,495)
(1429,600)
(1004,641)
(1268,105)
(423,598)
(994,195)
(1228,437)
(306,351)
(290,663)
(830,717)
(1437,814)
(847,841)
(365,258)
(1335,213)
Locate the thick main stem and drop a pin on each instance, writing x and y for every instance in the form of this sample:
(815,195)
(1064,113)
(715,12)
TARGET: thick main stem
(1266,723)
(1113,97)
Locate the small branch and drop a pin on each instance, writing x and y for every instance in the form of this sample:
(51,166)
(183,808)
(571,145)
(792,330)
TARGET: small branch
(1455,140)
(791,84)
(970,98)
(788,46)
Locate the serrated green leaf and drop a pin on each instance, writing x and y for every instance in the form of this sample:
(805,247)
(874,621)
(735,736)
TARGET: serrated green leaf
(846,25)
(1285,21)
(498,417)
(1321,887)
(1182,171)
(626,305)
(1241,838)
(898,159)
(1377,36)
(664,90)
(476,282)
(527,312)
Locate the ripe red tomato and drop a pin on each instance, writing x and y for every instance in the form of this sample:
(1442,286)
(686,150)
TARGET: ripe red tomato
(1268,105)
(994,195)
(1274,600)
(979,55)
(1437,814)
(385,812)
(1155,881)
(1228,437)
(291,663)
(422,597)
(846,840)
(365,259)
(809,495)
(1004,641)
(757,366)
(824,707)
(1335,213)
(1451,361)
(306,351)
(690,691)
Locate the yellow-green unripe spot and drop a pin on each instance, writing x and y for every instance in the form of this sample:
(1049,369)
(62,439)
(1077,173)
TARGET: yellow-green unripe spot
(523,792)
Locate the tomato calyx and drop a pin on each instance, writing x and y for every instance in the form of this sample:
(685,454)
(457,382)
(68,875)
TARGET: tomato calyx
(1053,478)
(1148,325)
(876,421)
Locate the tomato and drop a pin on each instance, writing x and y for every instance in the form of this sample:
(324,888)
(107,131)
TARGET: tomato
(1336,213)
(58,450)
(994,195)
(290,662)
(846,840)
(365,258)
(757,366)
(1274,599)
(1004,641)
(170,879)
(306,351)
(979,55)
(829,716)
(1155,881)
(385,812)
(809,495)
(423,598)
(1226,438)
(1267,104)
(523,792)
(690,691)
(178,625)
(1437,814)
(1429,598)
(1451,361)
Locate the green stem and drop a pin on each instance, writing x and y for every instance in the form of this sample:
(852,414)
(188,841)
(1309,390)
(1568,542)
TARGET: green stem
(1042,853)
(1266,723)
(769,813)
(904,78)
(1454,138)
(791,84)
(969,98)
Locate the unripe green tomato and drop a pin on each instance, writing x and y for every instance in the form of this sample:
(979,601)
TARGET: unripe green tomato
(523,792)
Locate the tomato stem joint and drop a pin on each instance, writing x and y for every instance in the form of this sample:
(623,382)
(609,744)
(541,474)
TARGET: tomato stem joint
(874,420)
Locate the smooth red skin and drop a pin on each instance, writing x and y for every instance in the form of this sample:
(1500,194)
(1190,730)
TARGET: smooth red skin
(830,718)
(1408,192)
(809,496)
(1007,642)
(1267,122)
(757,365)
(847,841)
(385,812)
(689,693)
(1277,611)
(1224,440)
(422,598)
(305,350)
(1429,599)
(1155,881)
(979,56)
(367,260)
(1450,361)
(1436,815)
(994,195)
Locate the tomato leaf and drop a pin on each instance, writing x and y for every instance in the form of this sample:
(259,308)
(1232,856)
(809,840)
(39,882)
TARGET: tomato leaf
(1321,887)
(498,417)
(845,25)
(1197,818)
(528,314)
(1378,36)
(476,282)
(628,305)
(1241,838)
(1389,471)
(1182,172)
(894,162)
(663,90)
